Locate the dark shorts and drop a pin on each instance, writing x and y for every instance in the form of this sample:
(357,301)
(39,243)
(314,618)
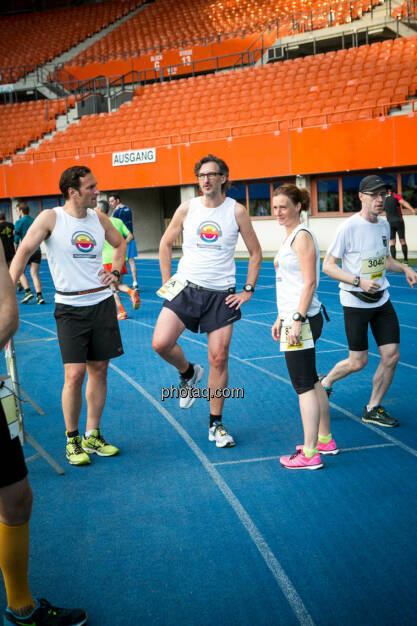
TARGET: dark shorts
(397,227)
(88,333)
(203,308)
(384,326)
(12,462)
(35,258)
(302,365)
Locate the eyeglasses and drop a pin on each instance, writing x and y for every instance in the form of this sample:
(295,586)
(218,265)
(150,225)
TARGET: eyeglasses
(209,175)
(377,194)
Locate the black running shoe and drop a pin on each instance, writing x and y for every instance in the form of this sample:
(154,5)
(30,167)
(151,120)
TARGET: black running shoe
(379,416)
(40,299)
(47,615)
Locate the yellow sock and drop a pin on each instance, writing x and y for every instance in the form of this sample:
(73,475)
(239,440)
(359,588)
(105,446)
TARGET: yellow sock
(309,453)
(326,439)
(14,557)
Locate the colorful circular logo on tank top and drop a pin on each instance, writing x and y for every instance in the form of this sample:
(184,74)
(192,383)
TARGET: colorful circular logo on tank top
(84,242)
(209,232)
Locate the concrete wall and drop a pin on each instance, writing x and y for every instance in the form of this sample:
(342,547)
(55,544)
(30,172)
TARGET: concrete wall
(147,217)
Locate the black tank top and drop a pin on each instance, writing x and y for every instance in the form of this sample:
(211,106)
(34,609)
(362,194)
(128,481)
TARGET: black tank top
(392,209)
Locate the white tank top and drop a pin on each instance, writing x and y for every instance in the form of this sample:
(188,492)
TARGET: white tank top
(74,256)
(209,241)
(289,279)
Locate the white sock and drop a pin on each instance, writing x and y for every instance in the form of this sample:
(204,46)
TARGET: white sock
(89,433)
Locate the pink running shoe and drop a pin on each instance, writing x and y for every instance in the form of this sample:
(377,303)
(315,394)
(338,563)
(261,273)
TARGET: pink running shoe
(299,461)
(325,448)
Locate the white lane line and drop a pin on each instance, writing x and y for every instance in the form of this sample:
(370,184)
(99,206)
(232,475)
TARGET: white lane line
(281,356)
(281,578)
(335,343)
(274,458)
(376,430)
(271,561)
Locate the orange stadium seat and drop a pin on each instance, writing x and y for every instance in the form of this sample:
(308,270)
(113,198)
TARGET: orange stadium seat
(254,100)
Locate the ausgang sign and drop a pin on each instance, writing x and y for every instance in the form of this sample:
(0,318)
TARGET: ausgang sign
(134,157)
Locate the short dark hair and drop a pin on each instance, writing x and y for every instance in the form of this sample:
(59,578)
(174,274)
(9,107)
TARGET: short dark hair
(223,168)
(105,206)
(115,196)
(71,178)
(24,207)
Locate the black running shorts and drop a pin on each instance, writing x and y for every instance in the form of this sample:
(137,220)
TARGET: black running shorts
(397,227)
(88,333)
(12,462)
(384,326)
(35,258)
(203,308)
(301,365)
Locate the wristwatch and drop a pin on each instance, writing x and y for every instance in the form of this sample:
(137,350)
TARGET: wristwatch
(116,273)
(248,288)
(297,317)
(356,281)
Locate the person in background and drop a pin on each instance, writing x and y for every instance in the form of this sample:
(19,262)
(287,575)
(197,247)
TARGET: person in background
(124,213)
(104,207)
(7,237)
(299,325)
(392,207)
(20,229)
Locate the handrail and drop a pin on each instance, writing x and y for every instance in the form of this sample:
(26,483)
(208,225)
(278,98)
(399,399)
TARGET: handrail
(302,21)
(296,123)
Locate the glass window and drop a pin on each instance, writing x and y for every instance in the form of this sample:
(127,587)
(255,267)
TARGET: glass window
(328,195)
(350,185)
(50,203)
(409,188)
(259,199)
(238,193)
(6,207)
(34,207)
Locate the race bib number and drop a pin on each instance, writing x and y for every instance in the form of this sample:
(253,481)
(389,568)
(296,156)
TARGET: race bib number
(305,341)
(171,289)
(373,264)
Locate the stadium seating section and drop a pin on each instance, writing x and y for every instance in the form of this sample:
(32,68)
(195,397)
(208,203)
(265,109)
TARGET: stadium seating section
(33,39)
(165,24)
(28,121)
(347,85)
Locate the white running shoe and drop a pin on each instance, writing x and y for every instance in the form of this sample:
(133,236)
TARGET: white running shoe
(187,398)
(219,434)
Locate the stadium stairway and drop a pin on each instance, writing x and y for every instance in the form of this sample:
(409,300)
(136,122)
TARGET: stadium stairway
(38,79)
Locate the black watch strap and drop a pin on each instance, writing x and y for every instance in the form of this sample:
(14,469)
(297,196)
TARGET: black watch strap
(116,273)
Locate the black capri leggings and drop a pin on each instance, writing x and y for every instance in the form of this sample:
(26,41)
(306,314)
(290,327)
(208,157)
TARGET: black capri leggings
(302,365)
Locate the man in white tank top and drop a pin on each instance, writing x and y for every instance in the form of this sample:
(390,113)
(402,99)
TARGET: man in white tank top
(85,312)
(207,300)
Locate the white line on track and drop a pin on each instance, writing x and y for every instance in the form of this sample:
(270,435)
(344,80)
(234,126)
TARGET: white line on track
(335,343)
(376,430)
(274,458)
(281,578)
(271,561)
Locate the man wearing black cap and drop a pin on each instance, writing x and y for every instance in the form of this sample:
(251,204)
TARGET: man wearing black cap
(362,243)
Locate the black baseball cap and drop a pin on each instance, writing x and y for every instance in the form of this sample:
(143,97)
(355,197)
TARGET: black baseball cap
(371,183)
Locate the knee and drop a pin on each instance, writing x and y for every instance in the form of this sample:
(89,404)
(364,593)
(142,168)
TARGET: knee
(357,365)
(161,346)
(218,360)
(390,360)
(74,379)
(18,509)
